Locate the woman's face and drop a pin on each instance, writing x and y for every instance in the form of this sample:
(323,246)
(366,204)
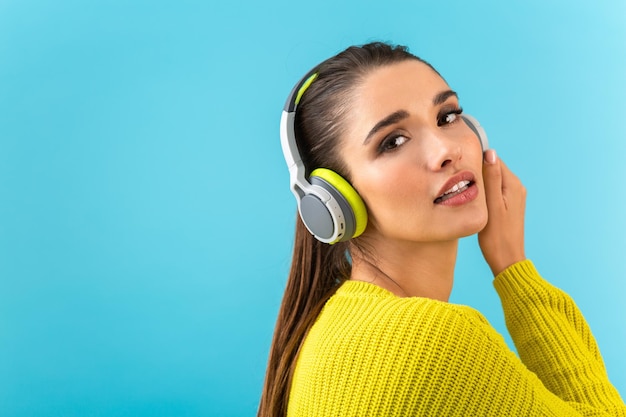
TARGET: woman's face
(413,160)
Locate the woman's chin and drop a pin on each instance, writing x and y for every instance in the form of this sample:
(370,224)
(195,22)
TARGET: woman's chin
(474,227)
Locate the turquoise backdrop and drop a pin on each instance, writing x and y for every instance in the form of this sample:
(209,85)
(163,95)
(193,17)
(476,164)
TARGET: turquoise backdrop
(145,217)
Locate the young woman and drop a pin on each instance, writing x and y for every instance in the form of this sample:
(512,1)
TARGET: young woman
(365,328)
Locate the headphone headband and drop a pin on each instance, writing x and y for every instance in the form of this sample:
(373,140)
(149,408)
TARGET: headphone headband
(296,93)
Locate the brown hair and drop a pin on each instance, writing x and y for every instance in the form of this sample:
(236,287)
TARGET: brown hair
(317,269)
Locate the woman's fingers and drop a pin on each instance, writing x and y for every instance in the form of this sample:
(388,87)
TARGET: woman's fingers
(492,176)
(502,240)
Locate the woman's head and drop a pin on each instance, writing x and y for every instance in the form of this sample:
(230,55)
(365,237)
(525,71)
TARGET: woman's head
(388,123)
(407,148)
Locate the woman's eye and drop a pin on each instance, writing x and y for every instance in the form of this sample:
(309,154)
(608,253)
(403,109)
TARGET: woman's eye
(449,117)
(392,143)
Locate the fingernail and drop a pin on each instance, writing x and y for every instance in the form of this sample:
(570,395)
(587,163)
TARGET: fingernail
(490,156)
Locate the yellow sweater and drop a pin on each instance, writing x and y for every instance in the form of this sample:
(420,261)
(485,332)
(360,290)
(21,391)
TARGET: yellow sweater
(371,353)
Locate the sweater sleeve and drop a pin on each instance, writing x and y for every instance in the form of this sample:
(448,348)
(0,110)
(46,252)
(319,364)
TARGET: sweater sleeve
(554,341)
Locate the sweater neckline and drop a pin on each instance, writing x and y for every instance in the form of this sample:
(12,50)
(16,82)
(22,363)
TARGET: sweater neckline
(361,287)
(354,288)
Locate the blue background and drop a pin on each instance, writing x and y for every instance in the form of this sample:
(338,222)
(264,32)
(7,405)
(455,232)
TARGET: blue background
(145,218)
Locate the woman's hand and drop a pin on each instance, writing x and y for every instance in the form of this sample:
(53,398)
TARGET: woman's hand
(502,240)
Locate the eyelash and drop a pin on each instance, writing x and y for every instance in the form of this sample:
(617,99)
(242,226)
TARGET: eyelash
(441,121)
(382,148)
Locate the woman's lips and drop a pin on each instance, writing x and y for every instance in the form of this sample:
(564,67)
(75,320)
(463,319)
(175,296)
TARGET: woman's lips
(458,190)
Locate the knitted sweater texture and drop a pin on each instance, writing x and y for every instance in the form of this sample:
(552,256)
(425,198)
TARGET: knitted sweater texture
(371,353)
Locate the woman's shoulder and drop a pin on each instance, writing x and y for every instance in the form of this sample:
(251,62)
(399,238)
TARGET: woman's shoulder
(364,310)
(377,302)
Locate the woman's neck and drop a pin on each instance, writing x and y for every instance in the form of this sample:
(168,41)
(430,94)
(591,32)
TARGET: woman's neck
(408,269)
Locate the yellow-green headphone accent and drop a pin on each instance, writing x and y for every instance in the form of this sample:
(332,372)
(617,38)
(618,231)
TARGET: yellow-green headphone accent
(349,193)
(304,87)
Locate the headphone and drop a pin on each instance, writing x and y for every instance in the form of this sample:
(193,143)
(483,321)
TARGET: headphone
(330,208)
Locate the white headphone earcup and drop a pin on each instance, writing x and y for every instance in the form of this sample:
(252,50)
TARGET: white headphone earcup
(342,216)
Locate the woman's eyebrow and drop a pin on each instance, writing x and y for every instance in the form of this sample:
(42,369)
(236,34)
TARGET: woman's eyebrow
(394,117)
(443,96)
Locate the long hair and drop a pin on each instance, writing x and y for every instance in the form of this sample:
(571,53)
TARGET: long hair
(318,269)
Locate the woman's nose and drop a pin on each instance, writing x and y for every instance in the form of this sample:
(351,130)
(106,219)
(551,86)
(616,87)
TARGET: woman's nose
(444,150)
